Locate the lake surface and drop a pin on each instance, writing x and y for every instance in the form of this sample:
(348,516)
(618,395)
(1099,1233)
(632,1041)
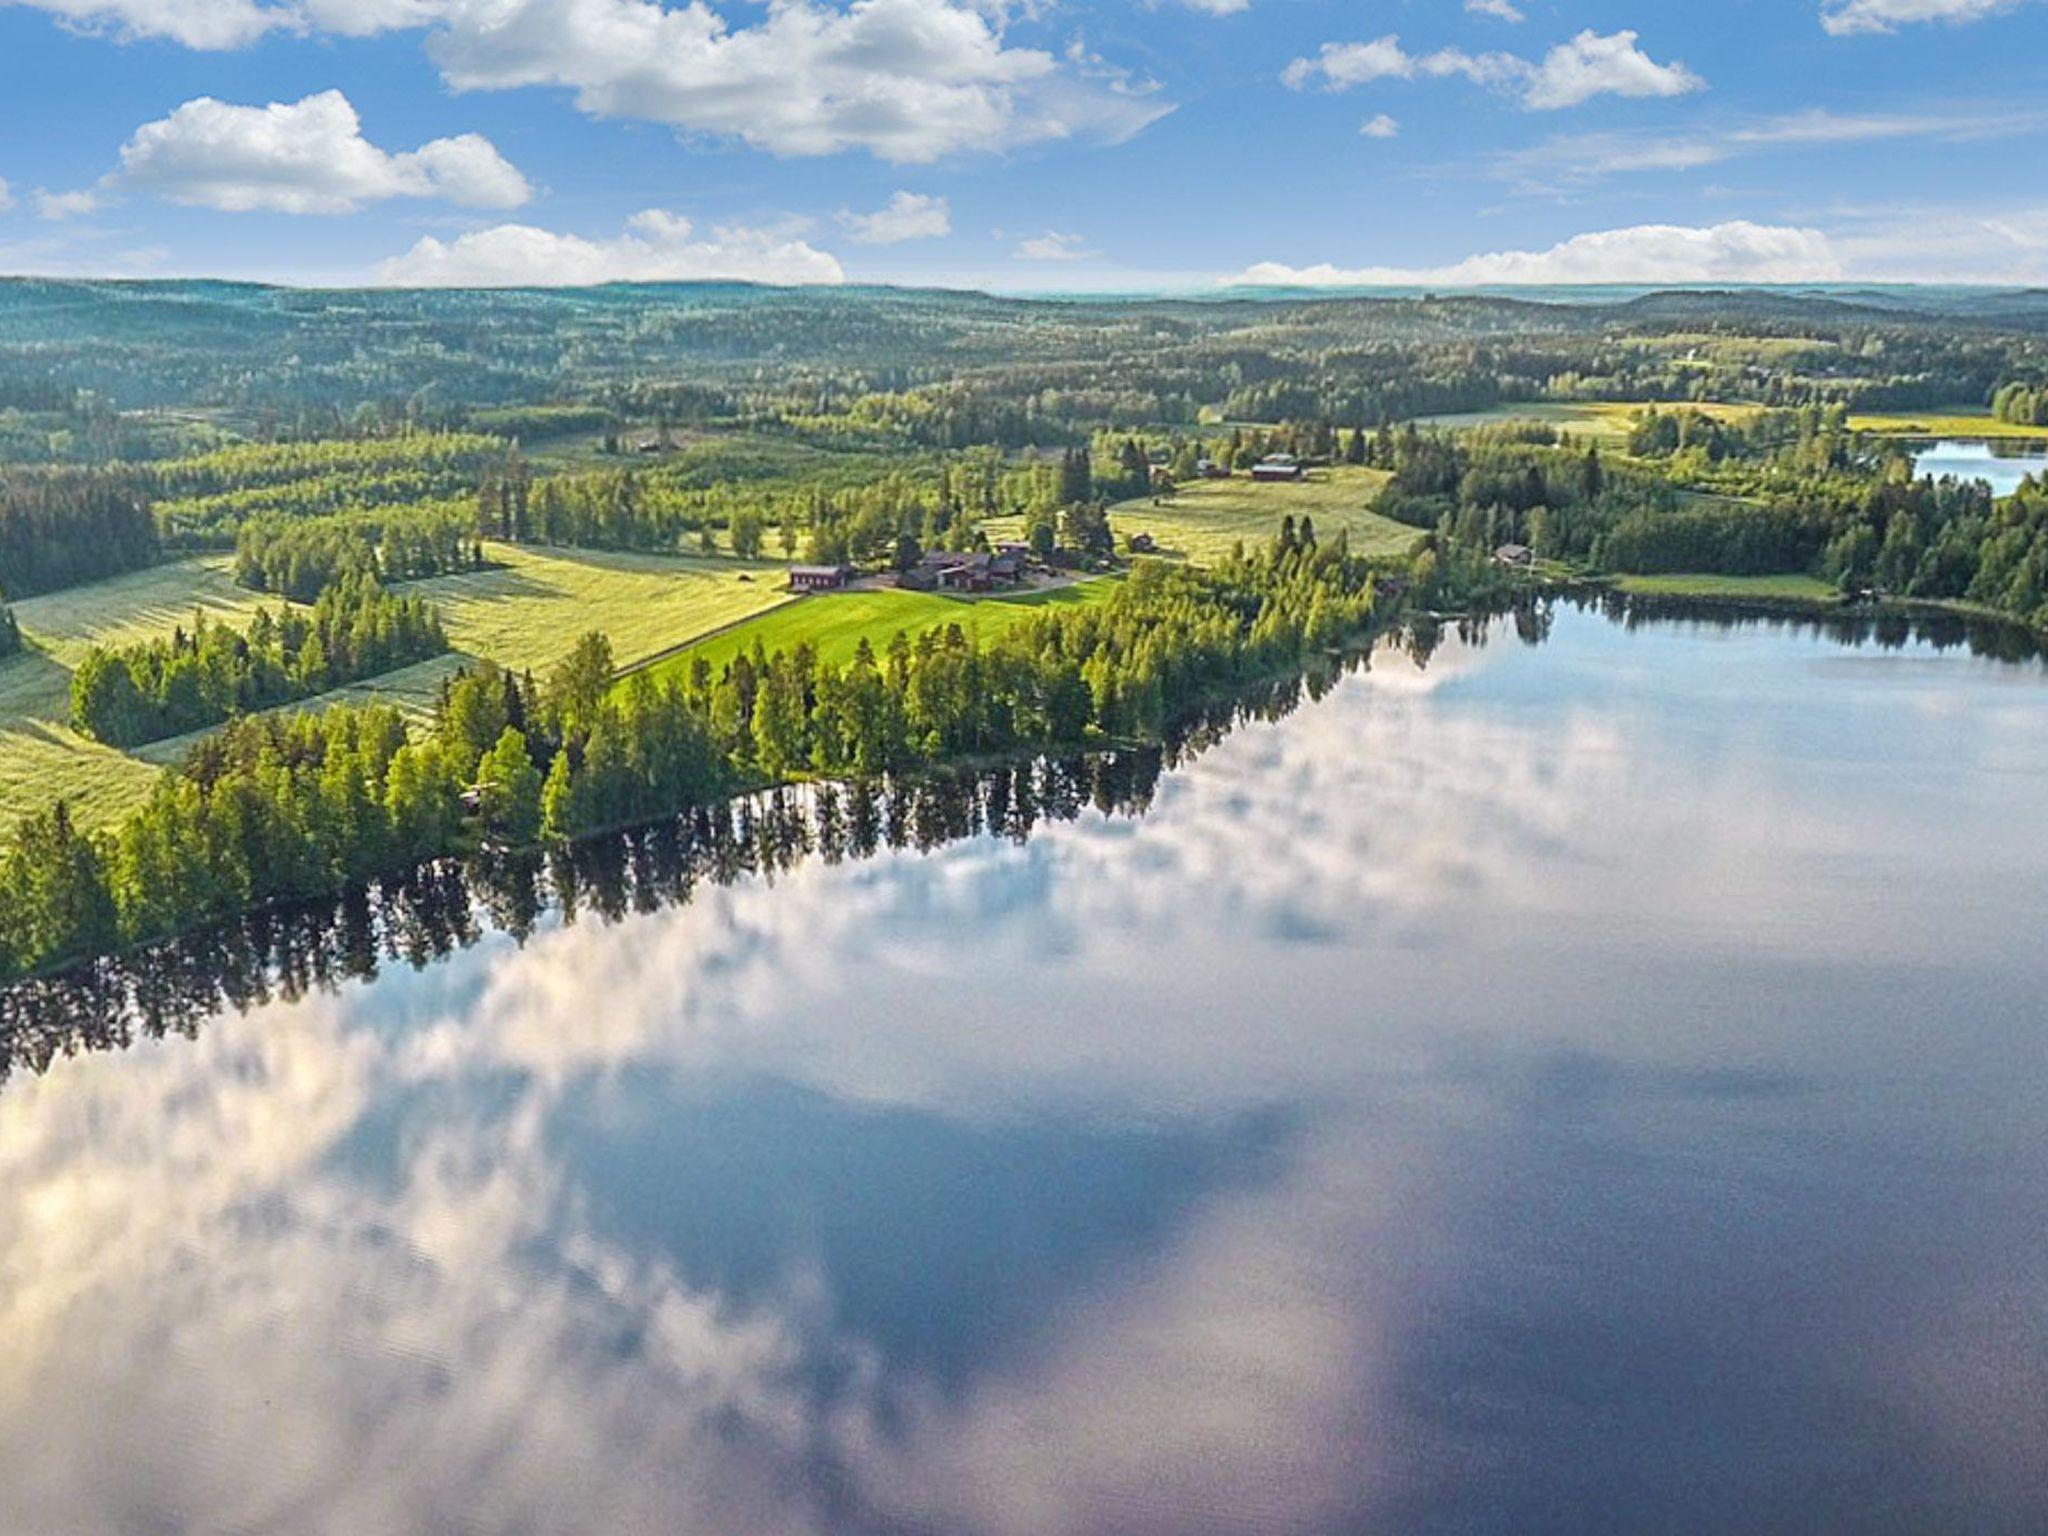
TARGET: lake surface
(1595,1086)
(2002,465)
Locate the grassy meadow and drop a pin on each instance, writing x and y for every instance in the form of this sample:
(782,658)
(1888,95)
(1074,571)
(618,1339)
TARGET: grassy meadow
(1767,589)
(1600,420)
(1610,420)
(835,623)
(1962,421)
(526,612)
(1201,522)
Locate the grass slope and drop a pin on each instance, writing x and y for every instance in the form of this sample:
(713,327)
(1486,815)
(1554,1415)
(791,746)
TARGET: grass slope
(41,757)
(527,613)
(1604,420)
(1611,419)
(1201,521)
(1963,421)
(1786,588)
(835,623)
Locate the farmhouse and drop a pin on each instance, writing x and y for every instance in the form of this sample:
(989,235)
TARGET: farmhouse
(1278,467)
(1518,555)
(818,578)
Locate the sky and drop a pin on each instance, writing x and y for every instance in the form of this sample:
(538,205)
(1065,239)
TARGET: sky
(1026,145)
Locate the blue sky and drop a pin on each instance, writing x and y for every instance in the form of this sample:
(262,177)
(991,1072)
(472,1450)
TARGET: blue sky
(1026,144)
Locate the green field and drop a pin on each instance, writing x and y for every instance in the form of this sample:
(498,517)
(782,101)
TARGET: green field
(41,757)
(527,612)
(835,623)
(1962,421)
(1203,520)
(1612,419)
(1601,419)
(1774,589)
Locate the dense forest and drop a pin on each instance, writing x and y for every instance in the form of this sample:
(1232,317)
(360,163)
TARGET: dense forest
(59,528)
(129,695)
(303,558)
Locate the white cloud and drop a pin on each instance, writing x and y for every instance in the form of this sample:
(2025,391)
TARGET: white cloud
(1052,246)
(6,195)
(1843,18)
(1589,65)
(906,216)
(908,80)
(1340,66)
(1736,252)
(58,206)
(206,24)
(1501,9)
(655,247)
(1218,7)
(305,157)
(1381,126)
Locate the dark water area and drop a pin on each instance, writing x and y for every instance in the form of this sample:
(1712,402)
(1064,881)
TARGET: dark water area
(1591,1081)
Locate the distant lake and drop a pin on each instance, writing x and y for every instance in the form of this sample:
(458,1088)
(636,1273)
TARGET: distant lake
(2004,465)
(1588,1086)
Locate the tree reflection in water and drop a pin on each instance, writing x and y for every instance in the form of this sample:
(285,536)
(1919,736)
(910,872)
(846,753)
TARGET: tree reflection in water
(283,953)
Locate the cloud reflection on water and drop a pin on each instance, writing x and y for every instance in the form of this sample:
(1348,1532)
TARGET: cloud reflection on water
(1512,1082)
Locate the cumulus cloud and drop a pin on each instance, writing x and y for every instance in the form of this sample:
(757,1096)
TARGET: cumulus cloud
(1843,18)
(1053,246)
(655,247)
(906,216)
(1381,126)
(1500,9)
(205,24)
(1589,65)
(308,156)
(1735,252)
(908,80)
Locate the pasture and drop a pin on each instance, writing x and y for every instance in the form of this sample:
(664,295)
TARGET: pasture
(524,613)
(1788,588)
(836,622)
(1201,521)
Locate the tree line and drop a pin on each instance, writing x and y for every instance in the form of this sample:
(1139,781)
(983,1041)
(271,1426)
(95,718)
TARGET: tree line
(300,559)
(63,527)
(276,808)
(129,695)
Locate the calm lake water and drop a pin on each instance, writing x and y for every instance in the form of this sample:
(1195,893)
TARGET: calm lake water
(1595,1086)
(2003,465)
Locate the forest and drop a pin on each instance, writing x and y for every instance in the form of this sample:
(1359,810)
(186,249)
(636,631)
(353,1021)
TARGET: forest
(284,807)
(221,504)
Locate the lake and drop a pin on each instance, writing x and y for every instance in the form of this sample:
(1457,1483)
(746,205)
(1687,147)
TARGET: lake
(2002,465)
(1593,1085)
